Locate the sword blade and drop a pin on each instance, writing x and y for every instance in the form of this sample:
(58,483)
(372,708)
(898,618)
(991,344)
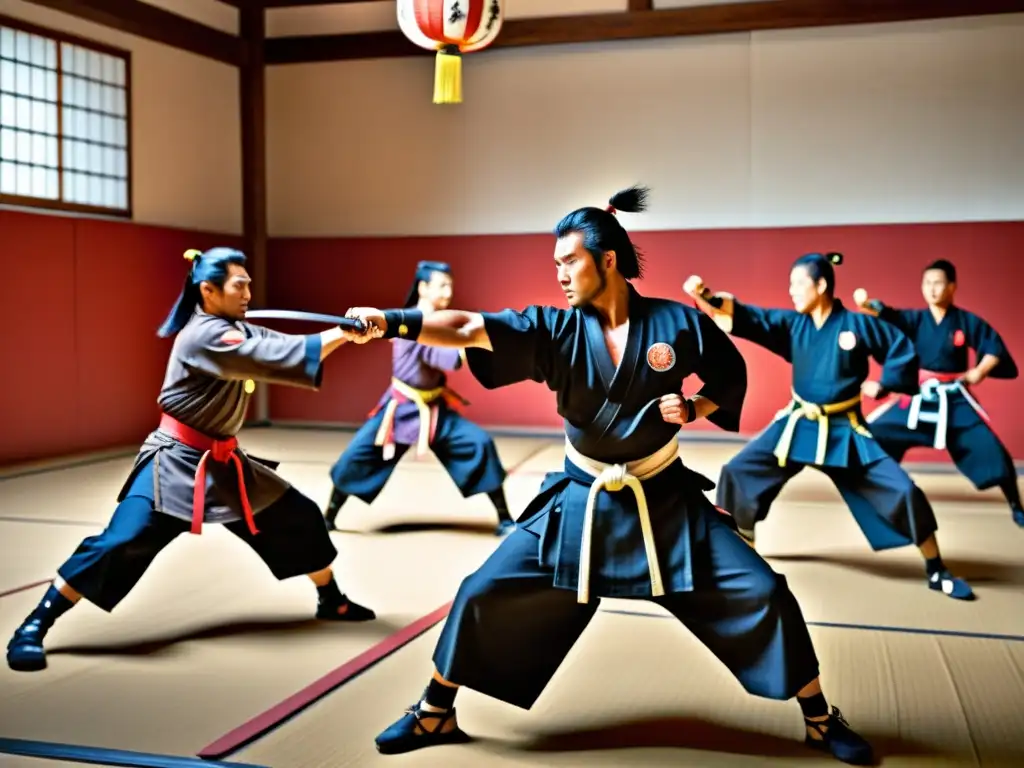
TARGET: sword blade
(346,323)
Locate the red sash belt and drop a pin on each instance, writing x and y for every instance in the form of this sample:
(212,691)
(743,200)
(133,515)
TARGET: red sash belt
(923,376)
(222,451)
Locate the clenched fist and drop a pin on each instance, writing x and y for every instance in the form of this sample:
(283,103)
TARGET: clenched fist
(673,409)
(694,286)
(871,389)
(374,321)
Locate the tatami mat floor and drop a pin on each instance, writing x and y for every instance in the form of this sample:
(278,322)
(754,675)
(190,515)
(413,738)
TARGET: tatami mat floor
(210,643)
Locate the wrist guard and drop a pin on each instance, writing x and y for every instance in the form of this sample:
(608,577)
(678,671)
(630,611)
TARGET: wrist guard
(403,323)
(691,411)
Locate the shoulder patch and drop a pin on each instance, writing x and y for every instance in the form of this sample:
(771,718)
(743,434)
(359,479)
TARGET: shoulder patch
(232,337)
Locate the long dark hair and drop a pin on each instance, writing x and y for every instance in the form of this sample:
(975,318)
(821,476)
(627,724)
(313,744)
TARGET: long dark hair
(424,271)
(210,267)
(602,231)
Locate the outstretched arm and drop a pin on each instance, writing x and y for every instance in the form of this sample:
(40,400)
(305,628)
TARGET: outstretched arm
(902,319)
(451,328)
(222,349)
(768,328)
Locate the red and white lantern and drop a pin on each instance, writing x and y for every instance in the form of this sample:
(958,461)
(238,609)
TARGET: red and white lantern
(452,28)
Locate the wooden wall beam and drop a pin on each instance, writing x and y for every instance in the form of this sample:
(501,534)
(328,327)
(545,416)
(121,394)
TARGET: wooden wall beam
(252,108)
(153,23)
(639,24)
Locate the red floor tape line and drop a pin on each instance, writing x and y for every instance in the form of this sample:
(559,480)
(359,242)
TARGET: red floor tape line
(267,721)
(275,716)
(25,587)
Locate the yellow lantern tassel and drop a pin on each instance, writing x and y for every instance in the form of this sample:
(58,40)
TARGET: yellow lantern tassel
(448,76)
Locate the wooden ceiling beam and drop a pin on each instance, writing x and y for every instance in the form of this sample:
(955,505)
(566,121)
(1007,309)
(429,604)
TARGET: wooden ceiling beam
(640,24)
(156,24)
(300,3)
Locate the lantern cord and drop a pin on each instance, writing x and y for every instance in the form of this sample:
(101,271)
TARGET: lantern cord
(448,76)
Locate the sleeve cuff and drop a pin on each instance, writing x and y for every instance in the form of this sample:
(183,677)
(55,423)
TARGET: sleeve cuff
(313,367)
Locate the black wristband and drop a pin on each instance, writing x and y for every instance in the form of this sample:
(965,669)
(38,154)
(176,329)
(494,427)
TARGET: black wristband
(691,411)
(403,323)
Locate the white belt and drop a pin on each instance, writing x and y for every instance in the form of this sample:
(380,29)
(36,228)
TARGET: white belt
(615,477)
(933,390)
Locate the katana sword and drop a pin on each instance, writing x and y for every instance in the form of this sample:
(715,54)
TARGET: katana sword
(346,323)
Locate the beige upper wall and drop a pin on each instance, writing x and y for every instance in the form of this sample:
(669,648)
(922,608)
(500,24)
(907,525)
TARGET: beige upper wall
(186,130)
(907,122)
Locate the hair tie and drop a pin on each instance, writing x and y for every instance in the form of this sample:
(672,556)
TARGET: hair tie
(192,254)
(610,209)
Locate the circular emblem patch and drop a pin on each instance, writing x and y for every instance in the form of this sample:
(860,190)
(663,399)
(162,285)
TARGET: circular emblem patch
(847,340)
(958,338)
(661,356)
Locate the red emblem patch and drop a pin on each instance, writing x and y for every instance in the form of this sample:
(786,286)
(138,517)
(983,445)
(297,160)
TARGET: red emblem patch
(232,337)
(958,338)
(661,357)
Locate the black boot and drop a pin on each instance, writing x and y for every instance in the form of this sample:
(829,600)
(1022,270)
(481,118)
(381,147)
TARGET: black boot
(332,600)
(333,507)
(25,650)
(505,522)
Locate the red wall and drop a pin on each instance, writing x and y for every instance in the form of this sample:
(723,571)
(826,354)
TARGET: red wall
(494,272)
(80,302)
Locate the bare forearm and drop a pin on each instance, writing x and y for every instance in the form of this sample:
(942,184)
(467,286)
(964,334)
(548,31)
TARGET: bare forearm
(454,328)
(330,340)
(702,407)
(984,368)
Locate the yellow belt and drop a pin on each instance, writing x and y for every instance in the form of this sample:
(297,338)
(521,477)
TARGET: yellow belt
(799,408)
(615,477)
(423,399)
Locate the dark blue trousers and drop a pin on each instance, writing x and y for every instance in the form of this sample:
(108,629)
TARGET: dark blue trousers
(974,447)
(293,540)
(467,452)
(886,503)
(509,628)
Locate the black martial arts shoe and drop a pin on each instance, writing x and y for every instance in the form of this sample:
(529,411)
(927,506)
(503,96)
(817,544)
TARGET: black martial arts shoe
(838,739)
(411,733)
(332,599)
(504,527)
(25,651)
(1018,515)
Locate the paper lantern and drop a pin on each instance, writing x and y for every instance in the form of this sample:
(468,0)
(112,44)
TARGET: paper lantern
(452,28)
